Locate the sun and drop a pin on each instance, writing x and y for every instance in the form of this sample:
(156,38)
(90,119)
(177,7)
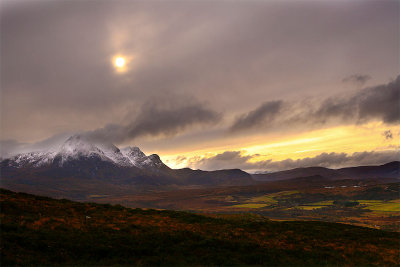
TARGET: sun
(119,62)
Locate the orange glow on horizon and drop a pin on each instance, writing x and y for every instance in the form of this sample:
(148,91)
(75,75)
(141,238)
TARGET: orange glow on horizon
(341,139)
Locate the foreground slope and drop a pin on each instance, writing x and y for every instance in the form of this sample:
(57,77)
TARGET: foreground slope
(43,231)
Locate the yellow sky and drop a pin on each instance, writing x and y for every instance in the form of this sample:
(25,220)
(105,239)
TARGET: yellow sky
(347,139)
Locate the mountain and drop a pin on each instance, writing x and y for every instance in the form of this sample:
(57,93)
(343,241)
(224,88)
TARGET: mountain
(79,148)
(389,170)
(86,167)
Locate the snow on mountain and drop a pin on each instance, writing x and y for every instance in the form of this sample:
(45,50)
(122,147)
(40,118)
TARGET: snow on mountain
(135,156)
(79,147)
(35,159)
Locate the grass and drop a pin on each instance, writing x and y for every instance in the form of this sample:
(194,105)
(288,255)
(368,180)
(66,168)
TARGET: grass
(98,196)
(250,206)
(316,205)
(264,199)
(39,231)
(272,198)
(309,207)
(374,205)
(381,205)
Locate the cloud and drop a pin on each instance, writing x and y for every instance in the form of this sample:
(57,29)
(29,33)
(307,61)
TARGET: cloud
(237,159)
(158,117)
(56,55)
(8,146)
(379,102)
(225,160)
(359,79)
(388,135)
(11,147)
(374,103)
(263,114)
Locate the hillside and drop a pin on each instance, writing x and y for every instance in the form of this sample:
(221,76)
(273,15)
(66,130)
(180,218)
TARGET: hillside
(389,170)
(44,231)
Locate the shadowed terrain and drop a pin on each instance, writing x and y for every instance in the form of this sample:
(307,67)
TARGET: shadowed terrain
(44,231)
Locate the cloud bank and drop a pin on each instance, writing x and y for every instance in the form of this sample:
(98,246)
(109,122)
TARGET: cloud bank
(379,103)
(158,118)
(237,159)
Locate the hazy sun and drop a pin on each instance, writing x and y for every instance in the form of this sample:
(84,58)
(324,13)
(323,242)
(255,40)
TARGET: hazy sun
(119,62)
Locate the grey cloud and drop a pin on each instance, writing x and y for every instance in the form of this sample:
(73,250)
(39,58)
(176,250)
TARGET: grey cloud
(359,79)
(388,135)
(158,118)
(180,159)
(56,55)
(263,114)
(11,147)
(381,102)
(236,159)
(374,103)
(225,160)
(7,147)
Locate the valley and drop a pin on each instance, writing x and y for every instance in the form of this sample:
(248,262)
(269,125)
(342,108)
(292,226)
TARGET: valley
(366,203)
(39,230)
(87,171)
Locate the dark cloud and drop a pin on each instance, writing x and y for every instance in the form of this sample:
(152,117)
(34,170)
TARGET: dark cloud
(388,134)
(263,114)
(379,102)
(359,79)
(236,159)
(374,103)
(158,118)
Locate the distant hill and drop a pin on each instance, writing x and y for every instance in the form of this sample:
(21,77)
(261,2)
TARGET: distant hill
(389,170)
(40,231)
(80,168)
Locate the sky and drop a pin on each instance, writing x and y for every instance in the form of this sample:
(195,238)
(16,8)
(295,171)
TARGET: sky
(256,85)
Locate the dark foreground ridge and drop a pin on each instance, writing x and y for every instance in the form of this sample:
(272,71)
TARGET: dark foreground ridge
(43,231)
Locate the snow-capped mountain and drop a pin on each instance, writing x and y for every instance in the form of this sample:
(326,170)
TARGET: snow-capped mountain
(78,147)
(80,167)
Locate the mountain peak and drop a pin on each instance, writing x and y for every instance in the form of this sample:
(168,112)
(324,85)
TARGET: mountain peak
(78,144)
(80,147)
(133,152)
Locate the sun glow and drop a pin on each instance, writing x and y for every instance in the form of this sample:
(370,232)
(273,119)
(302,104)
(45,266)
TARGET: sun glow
(340,139)
(119,63)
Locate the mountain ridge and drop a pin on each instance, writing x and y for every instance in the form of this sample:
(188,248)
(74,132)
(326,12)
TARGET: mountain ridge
(88,164)
(80,167)
(387,170)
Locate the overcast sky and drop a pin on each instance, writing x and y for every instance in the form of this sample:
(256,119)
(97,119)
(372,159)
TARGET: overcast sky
(201,77)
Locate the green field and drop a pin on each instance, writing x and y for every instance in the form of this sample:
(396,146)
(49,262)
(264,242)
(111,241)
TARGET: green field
(380,205)
(250,206)
(316,205)
(273,200)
